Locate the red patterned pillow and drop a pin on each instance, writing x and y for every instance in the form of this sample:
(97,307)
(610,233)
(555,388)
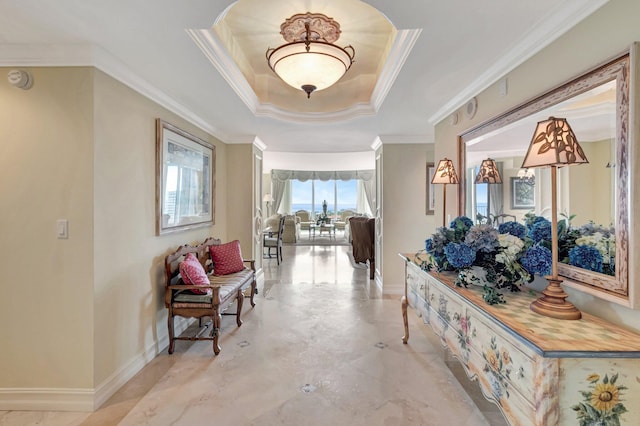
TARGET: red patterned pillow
(226,258)
(193,273)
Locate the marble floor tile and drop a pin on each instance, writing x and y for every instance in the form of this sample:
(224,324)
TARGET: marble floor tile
(321,347)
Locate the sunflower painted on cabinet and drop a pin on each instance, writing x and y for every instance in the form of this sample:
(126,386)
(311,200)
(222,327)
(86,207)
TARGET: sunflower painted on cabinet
(602,403)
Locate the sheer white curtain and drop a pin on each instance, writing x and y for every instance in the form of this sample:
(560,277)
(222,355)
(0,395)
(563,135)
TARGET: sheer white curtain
(278,188)
(186,194)
(280,178)
(285,201)
(365,202)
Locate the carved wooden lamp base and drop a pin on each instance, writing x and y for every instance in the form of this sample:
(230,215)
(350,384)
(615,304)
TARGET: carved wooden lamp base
(553,304)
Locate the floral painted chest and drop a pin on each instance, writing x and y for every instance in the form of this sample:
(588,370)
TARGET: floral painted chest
(538,370)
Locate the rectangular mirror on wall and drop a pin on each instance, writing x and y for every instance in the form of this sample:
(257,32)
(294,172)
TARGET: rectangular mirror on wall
(592,198)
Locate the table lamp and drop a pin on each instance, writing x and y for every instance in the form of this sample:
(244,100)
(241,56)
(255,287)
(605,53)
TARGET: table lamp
(554,145)
(488,174)
(267,199)
(445,173)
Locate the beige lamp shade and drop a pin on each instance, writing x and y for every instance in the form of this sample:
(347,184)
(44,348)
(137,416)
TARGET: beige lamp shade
(445,173)
(488,172)
(554,144)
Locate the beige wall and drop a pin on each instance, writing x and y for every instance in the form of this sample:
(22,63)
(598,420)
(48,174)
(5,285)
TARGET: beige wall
(603,35)
(130,317)
(590,205)
(240,196)
(405,225)
(80,146)
(47,285)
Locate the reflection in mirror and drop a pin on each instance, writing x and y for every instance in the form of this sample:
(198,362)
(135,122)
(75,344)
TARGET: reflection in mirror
(185,180)
(186,186)
(592,116)
(590,196)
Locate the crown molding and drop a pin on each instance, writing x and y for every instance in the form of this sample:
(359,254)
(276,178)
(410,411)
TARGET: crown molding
(272,111)
(402,46)
(404,139)
(39,55)
(49,55)
(217,54)
(247,140)
(377,143)
(257,142)
(215,51)
(554,24)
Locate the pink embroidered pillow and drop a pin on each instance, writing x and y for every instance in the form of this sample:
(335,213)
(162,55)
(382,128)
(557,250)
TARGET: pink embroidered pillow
(193,273)
(226,258)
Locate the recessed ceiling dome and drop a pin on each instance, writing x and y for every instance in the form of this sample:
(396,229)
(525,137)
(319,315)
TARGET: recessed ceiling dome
(342,88)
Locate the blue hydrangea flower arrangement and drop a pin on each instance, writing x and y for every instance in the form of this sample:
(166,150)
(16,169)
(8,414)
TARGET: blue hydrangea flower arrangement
(578,246)
(465,246)
(482,238)
(537,260)
(513,228)
(509,256)
(540,231)
(503,258)
(586,257)
(460,255)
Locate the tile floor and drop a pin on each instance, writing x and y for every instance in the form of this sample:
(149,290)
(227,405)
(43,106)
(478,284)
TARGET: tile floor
(321,347)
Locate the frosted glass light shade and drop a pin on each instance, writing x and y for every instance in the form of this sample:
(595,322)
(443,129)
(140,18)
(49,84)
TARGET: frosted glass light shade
(320,67)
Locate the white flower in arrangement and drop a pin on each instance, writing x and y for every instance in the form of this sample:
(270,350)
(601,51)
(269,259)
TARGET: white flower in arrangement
(511,246)
(605,245)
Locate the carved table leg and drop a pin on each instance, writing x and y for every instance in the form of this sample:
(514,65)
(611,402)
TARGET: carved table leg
(404,303)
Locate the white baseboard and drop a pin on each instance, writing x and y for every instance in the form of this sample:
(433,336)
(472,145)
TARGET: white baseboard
(79,399)
(378,281)
(46,399)
(393,290)
(106,389)
(259,277)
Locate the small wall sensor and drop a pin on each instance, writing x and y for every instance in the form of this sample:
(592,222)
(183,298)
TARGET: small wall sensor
(21,79)
(470,108)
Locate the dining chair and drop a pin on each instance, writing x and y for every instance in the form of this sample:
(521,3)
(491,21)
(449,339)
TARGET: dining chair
(274,240)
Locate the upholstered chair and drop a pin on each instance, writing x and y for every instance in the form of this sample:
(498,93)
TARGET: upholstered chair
(343,219)
(363,241)
(305,219)
(291,232)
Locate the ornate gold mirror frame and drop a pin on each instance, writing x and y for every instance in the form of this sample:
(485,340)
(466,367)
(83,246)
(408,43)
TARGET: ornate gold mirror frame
(615,288)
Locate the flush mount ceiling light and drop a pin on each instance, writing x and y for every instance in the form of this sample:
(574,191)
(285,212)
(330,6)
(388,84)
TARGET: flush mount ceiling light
(310,61)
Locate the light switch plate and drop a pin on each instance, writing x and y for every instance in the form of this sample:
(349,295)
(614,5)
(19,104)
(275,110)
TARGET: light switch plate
(62,229)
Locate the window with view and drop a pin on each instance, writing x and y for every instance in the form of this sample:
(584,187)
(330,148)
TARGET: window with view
(339,195)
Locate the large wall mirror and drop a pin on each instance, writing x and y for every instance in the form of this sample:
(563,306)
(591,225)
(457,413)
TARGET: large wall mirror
(596,105)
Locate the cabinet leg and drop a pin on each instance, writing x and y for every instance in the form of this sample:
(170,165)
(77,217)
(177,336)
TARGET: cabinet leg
(404,303)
